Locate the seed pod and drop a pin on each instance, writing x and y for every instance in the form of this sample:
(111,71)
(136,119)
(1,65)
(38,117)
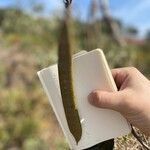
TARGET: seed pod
(66,81)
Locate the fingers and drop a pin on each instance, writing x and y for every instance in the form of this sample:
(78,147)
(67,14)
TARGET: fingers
(122,71)
(109,100)
(114,100)
(121,74)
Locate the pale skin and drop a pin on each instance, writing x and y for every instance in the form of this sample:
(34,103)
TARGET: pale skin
(132,100)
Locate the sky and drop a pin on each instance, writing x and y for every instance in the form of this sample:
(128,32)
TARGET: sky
(131,12)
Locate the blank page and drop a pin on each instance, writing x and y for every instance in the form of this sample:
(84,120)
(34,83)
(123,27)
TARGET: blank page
(90,72)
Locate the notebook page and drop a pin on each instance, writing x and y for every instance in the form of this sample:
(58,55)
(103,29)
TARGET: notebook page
(90,71)
(50,82)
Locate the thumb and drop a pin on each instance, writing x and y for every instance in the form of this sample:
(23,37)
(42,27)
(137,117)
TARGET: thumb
(109,100)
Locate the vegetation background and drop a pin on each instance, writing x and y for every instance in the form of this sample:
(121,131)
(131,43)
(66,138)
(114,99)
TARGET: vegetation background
(28,43)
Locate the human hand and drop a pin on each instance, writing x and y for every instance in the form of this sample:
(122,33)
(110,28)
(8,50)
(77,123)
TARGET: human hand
(132,100)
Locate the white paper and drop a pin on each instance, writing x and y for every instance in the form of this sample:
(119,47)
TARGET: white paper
(90,72)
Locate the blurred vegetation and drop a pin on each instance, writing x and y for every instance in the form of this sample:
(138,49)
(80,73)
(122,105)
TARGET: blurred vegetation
(28,43)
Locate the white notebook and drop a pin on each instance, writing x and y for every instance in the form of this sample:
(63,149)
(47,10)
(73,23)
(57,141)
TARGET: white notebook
(90,72)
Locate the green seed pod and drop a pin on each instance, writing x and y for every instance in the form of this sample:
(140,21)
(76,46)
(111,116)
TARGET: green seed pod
(66,82)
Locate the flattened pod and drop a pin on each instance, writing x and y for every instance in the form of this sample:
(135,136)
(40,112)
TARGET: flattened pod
(66,85)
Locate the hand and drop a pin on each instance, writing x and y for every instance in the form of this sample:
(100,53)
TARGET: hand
(132,100)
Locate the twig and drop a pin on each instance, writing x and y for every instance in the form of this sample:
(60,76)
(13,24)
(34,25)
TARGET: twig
(67,3)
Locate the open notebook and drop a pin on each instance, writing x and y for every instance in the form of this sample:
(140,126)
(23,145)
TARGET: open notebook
(90,72)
